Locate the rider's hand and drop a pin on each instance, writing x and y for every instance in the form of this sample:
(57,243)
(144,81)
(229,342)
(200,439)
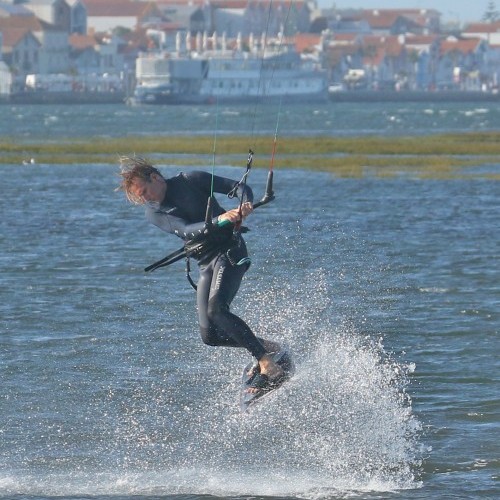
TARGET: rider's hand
(234,215)
(246,208)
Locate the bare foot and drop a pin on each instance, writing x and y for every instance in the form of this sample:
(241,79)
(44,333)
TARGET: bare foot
(269,368)
(270,347)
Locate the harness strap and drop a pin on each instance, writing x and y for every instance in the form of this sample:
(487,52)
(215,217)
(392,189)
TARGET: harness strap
(166,261)
(188,274)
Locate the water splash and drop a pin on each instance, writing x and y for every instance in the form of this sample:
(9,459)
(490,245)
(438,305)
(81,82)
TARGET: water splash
(344,422)
(342,426)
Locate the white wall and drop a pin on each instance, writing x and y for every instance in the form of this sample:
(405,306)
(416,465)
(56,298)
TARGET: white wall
(5,79)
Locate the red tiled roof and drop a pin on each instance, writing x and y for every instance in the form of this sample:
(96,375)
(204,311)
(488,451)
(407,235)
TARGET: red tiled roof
(337,51)
(376,58)
(228,4)
(391,45)
(185,3)
(380,40)
(418,19)
(243,4)
(304,41)
(120,8)
(420,39)
(482,27)
(385,18)
(12,35)
(164,26)
(81,42)
(30,23)
(380,19)
(345,37)
(465,46)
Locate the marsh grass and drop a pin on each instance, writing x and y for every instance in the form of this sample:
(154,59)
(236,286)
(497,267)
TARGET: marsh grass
(438,156)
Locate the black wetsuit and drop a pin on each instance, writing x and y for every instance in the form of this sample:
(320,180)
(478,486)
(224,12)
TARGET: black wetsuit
(182,212)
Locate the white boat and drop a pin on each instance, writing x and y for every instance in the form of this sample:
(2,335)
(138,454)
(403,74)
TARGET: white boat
(236,77)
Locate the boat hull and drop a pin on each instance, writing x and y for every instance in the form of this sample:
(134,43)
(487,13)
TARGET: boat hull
(152,98)
(239,79)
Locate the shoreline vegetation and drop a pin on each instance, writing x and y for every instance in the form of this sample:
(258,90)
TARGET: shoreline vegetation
(443,156)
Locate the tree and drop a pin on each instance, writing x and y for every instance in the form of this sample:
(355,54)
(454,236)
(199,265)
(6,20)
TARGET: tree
(491,15)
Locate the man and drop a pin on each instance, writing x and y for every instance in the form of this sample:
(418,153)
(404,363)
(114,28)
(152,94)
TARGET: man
(178,205)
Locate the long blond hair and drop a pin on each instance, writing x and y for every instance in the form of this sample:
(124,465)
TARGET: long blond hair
(131,168)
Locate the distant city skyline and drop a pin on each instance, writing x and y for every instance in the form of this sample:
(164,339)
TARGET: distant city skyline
(463,11)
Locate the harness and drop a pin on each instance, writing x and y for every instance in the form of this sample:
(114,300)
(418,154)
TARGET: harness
(219,238)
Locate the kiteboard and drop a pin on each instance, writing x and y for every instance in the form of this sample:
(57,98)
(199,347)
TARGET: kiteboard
(250,372)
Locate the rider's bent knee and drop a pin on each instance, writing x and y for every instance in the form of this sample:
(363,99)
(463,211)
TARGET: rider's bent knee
(208,337)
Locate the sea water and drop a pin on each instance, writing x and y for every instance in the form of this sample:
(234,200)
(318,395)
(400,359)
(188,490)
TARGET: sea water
(54,122)
(386,291)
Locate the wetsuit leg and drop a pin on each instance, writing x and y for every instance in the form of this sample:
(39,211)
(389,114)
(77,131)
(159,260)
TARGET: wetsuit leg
(217,287)
(202,294)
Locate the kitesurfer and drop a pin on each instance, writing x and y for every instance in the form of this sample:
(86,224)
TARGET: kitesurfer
(178,205)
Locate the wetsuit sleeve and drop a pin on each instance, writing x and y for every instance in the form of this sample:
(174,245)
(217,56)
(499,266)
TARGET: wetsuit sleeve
(222,185)
(225,186)
(172,220)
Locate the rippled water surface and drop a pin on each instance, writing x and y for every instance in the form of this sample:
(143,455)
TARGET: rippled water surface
(386,290)
(341,119)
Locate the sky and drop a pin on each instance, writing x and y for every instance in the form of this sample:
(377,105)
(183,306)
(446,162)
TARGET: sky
(463,11)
